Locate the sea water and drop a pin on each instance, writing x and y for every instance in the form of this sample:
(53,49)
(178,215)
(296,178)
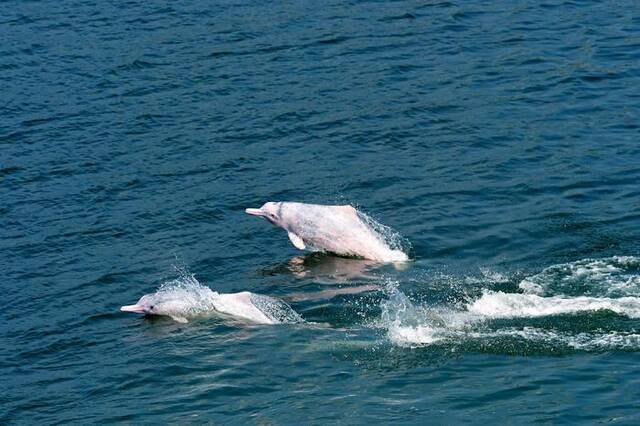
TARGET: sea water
(500,139)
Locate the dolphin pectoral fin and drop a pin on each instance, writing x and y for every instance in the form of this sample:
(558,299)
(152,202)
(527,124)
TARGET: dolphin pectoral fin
(181,320)
(297,241)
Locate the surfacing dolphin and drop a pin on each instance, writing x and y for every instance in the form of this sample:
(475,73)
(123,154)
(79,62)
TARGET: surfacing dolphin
(336,229)
(180,303)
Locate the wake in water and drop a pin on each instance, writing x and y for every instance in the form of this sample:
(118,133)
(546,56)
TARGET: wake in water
(511,305)
(616,276)
(185,298)
(585,305)
(589,305)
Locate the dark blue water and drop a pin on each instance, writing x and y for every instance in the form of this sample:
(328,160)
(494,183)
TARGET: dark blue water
(502,140)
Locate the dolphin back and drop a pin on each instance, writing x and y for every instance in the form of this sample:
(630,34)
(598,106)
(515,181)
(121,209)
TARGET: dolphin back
(342,230)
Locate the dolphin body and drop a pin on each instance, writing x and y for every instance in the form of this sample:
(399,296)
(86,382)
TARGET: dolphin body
(182,303)
(336,229)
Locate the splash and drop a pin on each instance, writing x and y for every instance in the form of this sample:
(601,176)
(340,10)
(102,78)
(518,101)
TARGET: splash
(392,239)
(277,311)
(564,307)
(408,323)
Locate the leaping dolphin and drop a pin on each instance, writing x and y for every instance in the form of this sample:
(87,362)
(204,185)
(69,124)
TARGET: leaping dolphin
(336,229)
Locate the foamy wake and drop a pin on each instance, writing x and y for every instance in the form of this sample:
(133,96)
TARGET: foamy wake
(611,285)
(187,298)
(616,276)
(585,341)
(511,305)
(425,335)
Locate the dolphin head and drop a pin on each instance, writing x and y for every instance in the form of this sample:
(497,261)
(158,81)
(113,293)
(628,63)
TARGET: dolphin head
(271,211)
(157,304)
(146,305)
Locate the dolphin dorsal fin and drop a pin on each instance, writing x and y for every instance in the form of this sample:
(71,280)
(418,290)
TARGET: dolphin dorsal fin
(297,241)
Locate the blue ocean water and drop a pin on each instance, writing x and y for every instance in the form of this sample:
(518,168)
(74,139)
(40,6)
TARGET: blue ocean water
(502,140)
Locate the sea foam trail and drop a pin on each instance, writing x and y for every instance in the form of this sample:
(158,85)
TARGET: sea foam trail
(616,276)
(590,285)
(187,298)
(460,328)
(425,335)
(510,305)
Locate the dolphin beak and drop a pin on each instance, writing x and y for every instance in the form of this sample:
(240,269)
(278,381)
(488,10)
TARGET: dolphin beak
(254,212)
(134,308)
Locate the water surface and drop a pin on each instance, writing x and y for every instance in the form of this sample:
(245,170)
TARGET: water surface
(501,140)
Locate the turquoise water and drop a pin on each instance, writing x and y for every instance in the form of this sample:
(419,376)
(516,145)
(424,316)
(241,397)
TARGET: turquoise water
(501,141)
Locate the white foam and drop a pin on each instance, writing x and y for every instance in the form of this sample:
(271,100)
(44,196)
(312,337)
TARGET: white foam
(581,341)
(616,276)
(493,276)
(509,305)
(409,324)
(417,335)
(424,336)
(531,287)
(613,340)
(589,285)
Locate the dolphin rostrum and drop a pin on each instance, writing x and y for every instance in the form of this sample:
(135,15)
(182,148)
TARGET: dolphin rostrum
(337,229)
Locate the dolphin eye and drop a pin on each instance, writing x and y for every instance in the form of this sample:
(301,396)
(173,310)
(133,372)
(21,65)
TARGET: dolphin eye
(151,307)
